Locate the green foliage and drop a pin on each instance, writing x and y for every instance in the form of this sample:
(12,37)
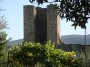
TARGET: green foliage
(46,55)
(3,36)
(2,42)
(3,51)
(77,11)
(3,22)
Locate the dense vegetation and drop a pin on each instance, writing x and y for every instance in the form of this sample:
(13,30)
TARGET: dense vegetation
(3,35)
(31,54)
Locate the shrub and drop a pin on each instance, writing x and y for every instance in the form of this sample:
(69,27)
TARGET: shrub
(46,55)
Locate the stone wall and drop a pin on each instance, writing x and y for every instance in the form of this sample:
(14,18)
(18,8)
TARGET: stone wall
(53,24)
(29,26)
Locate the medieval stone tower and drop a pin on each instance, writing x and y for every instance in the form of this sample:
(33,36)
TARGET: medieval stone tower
(41,24)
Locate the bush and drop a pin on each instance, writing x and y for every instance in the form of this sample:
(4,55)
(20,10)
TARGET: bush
(46,55)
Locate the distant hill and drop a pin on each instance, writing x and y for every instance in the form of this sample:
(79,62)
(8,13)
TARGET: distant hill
(76,39)
(15,42)
(69,39)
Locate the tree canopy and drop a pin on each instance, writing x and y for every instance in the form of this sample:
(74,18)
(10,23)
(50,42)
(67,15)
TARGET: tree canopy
(3,35)
(76,11)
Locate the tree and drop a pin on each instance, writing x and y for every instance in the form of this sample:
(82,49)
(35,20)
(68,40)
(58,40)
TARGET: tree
(46,55)
(77,11)
(3,23)
(3,36)
(2,44)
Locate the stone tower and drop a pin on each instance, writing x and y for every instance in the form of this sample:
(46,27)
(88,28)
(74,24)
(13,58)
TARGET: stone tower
(53,24)
(41,24)
(29,23)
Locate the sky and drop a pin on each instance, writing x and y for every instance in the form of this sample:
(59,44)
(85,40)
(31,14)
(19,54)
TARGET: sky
(14,15)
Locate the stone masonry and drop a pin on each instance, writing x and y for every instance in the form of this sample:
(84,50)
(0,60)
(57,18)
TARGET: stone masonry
(41,24)
(29,26)
(53,24)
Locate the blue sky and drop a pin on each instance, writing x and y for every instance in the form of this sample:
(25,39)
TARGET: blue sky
(14,16)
